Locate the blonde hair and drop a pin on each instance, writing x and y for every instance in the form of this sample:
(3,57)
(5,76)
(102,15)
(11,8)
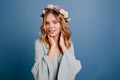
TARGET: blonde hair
(64,29)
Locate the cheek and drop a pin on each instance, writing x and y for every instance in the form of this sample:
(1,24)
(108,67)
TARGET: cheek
(58,29)
(47,30)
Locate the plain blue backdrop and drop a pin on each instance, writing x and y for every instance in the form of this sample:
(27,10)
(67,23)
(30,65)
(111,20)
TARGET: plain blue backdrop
(95,27)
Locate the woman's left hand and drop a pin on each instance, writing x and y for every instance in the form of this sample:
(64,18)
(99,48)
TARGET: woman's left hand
(62,43)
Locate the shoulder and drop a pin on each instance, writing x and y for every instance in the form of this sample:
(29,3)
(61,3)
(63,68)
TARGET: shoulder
(72,44)
(38,43)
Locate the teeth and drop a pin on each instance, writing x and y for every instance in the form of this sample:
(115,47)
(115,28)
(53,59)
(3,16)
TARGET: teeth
(51,31)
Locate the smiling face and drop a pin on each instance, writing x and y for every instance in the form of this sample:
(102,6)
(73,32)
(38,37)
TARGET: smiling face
(52,26)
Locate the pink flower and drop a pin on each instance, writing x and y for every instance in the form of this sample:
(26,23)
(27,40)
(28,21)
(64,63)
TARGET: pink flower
(57,7)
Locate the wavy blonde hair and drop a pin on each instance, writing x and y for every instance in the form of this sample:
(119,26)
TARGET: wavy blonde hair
(64,29)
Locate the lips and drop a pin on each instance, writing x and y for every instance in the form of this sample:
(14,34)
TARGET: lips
(51,31)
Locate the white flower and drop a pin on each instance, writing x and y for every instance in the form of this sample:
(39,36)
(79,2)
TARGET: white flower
(41,18)
(50,6)
(68,19)
(65,13)
(62,11)
(43,11)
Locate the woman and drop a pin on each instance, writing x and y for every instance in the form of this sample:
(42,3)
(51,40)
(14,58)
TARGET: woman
(54,52)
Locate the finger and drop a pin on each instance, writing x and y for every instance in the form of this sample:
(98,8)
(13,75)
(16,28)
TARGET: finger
(49,37)
(61,35)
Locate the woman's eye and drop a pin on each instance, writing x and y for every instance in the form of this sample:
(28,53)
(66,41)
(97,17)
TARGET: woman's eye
(47,23)
(55,22)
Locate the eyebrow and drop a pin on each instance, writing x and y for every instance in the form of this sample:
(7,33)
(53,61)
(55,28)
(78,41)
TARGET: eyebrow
(52,21)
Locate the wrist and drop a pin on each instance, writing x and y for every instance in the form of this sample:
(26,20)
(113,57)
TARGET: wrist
(64,49)
(52,47)
(50,53)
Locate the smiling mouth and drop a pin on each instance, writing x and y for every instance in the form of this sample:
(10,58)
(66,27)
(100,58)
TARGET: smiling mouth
(51,31)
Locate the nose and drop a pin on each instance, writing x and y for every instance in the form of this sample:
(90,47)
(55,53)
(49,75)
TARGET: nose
(51,25)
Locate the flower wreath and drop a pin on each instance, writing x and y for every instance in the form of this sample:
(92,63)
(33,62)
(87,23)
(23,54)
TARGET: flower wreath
(56,9)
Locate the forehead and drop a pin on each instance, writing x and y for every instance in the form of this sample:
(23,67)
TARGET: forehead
(50,17)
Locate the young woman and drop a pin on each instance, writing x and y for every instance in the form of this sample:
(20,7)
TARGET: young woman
(54,51)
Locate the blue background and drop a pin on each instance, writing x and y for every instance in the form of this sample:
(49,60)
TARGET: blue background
(95,28)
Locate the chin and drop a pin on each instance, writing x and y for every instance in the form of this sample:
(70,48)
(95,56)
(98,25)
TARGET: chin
(52,35)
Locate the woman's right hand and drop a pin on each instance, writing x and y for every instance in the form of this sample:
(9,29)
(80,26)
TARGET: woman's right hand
(52,42)
(52,48)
